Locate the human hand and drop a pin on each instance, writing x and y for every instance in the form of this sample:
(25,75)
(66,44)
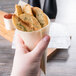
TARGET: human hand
(27,63)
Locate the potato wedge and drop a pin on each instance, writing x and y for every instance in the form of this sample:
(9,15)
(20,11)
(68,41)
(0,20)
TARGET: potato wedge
(31,21)
(41,17)
(18,10)
(20,25)
(27,9)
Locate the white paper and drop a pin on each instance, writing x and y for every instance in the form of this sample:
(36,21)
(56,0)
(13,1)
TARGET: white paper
(60,37)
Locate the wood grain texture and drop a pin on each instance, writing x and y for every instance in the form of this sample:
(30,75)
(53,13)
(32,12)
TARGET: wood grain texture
(3,32)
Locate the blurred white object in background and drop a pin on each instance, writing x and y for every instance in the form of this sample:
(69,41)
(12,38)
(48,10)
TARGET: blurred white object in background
(66,14)
(66,11)
(60,37)
(8,24)
(22,3)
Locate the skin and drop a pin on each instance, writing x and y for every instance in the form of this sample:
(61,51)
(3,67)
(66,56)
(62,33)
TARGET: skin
(28,63)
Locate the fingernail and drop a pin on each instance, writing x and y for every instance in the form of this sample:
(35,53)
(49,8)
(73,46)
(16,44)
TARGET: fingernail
(46,38)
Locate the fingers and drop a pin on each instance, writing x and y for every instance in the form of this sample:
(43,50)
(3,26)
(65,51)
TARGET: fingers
(41,46)
(19,41)
(20,46)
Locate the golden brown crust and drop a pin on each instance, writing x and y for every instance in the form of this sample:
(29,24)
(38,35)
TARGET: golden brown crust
(42,18)
(27,9)
(18,10)
(31,21)
(20,25)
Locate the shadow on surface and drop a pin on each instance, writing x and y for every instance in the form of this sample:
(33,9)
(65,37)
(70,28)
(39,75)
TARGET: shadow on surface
(59,55)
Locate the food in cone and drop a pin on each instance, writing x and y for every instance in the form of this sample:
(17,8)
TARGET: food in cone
(41,17)
(32,24)
(18,10)
(27,9)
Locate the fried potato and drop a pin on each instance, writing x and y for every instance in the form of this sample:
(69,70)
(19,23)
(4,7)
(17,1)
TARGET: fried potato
(27,9)
(41,17)
(18,10)
(20,25)
(31,21)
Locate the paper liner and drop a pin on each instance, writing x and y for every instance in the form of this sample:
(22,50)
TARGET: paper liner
(32,38)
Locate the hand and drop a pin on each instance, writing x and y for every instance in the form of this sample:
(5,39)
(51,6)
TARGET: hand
(27,63)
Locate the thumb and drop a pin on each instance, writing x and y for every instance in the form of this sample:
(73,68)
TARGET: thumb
(41,46)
